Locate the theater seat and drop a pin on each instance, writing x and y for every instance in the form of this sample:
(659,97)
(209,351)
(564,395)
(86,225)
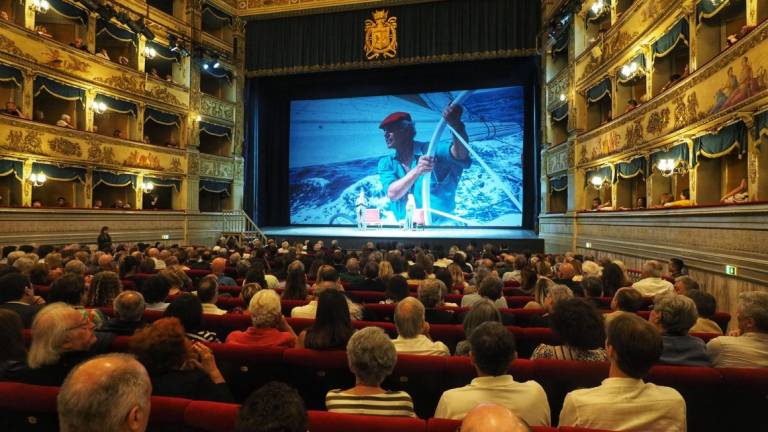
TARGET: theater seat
(27,407)
(558,377)
(321,421)
(696,385)
(314,373)
(247,368)
(422,377)
(210,416)
(167,414)
(745,396)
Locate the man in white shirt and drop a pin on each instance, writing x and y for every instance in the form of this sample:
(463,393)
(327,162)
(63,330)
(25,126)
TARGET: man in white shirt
(623,401)
(412,330)
(208,293)
(492,350)
(652,283)
(750,348)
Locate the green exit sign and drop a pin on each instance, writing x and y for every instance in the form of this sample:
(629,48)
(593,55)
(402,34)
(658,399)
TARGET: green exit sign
(730,270)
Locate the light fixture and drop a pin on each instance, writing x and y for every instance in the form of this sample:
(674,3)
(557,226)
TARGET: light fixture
(147,187)
(597,182)
(99,107)
(629,69)
(199,118)
(37,180)
(40,6)
(150,52)
(205,66)
(216,64)
(669,167)
(562,97)
(597,7)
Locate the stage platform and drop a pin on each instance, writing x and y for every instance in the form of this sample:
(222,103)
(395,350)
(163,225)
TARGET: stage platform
(353,238)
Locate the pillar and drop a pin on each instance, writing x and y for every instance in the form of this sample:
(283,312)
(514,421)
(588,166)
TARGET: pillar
(26,186)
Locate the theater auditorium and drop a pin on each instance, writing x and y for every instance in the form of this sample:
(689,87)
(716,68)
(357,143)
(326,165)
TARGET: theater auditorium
(383,215)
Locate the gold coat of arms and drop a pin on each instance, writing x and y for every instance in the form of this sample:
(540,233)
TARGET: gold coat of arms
(381,36)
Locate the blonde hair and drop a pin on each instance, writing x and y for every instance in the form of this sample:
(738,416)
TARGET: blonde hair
(49,333)
(457,275)
(385,271)
(264,308)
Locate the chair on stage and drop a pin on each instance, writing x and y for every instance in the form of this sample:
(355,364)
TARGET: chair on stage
(372,217)
(419,218)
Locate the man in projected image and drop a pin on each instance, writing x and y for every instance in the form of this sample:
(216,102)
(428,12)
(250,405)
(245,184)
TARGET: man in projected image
(401,172)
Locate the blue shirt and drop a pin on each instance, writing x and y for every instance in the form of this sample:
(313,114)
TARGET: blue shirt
(445,178)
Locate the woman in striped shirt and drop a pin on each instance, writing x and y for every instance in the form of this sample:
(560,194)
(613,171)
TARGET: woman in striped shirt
(581,329)
(372,357)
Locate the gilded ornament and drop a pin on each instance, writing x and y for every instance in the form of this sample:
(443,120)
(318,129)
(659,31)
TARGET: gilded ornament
(29,142)
(65,147)
(123,82)
(70,64)
(176,165)
(218,109)
(381,36)
(752,168)
(162,94)
(635,133)
(145,160)
(100,155)
(9,47)
(658,121)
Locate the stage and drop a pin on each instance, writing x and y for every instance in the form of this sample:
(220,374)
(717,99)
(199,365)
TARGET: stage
(353,238)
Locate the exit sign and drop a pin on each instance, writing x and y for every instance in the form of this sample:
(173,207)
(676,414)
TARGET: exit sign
(588,245)
(166,237)
(731,270)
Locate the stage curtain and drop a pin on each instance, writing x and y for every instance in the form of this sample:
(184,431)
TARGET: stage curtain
(665,44)
(215,186)
(114,179)
(728,139)
(12,167)
(640,61)
(560,112)
(427,32)
(115,32)
(57,89)
(561,41)
(11,74)
(117,105)
(161,117)
(679,153)
(761,125)
(59,173)
(605,172)
(633,168)
(158,182)
(68,10)
(215,130)
(559,184)
(163,51)
(599,91)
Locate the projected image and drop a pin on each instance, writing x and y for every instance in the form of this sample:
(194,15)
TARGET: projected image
(435,159)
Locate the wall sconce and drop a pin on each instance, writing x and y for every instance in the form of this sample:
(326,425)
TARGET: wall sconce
(597,182)
(597,7)
(199,118)
(147,187)
(629,69)
(37,180)
(99,107)
(150,52)
(40,6)
(562,97)
(669,167)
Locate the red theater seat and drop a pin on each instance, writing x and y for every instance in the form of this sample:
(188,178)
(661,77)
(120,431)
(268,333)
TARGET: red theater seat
(167,413)
(27,408)
(422,377)
(558,377)
(321,421)
(210,416)
(744,399)
(696,385)
(314,373)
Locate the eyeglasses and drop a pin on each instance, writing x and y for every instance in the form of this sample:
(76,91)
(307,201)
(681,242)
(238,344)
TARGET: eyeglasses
(85,323)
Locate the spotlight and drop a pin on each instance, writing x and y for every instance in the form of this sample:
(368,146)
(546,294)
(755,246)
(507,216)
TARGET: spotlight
(150,52)
(205,66)
(216,64)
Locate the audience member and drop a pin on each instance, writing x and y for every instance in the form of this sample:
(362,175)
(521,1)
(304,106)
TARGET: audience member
(332,327)
(623,401)
(156,289)
(11,110)
(17,295)
(396,290)
(77,43)
(747,347)
(274,407)
(269,326)
(593,291)
(651,282)
(684,284)
(310,310)
(431,293)
(492,351)
(677,268)
(674,315)
(218,266)
(107,393)
(490,288)
(372,357)
(65,121)
(13,354)
(491,417)
(582,330)
(555,294)
(129,310)
(706,306)
(626,301)
(480,313)
(413,330)
(370,281)
(189,311)
(208,293)
(684,201)
(295,282)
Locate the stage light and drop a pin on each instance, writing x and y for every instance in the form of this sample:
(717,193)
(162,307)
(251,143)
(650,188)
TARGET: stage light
(597,182)
(562,97)
(99,107)
(597,7)
(215,59)
(150,52)
(629,69)
(669,167)
(40,6)
(205,66)
(37,180)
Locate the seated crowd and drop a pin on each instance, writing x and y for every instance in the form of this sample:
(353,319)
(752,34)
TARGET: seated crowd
(76,301)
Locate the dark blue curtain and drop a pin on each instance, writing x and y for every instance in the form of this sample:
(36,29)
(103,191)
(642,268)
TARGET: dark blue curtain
(761,124)
(114,179)
(54,172)
(728,139)
(635,167)
(69,11)
(605,172)
(163,51)
(12,167)
(640,61)
(115,32)
(665,44)
(559,184)
(57,89)
(158,182)
(215,186)
(210,11)
(560,112)
(161,117)
(11,74)
(679,152)
(219,72)
(601,90)
(708,8)
(117,105)
(215,130)
(561,41)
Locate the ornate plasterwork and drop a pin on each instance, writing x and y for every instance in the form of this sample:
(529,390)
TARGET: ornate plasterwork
(216,108)
(162,94)
(97,154)
(176,165)
(24,142)
(221,168)
(8,46)
(125,82)
(556,87)
(65,147)
(137,159)
(658,121)
(559,161)
(66,61)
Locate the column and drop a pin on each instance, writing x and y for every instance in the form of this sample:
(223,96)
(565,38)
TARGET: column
(238,183)
(140,58)
(28,94)
(139,193)
(29,15)
(26,186)
(88,187)
(752,12)
(692,63)
(139,130)
(90,95)
(90,38)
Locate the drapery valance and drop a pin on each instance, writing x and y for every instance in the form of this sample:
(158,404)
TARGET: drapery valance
(11,74)
(706,9)
(219,72)
(12,167)
(115,32)
(114,179)
(639,60)
(561,40)
(215,186)
(599,91)
(163,51)
(210,11)
(159,182)
(665,44)
(161,117)
(57,89)
(117,105)
(560,112)
(59,173)
(605,172)
(215,130)
(761,125)
(559,184)
(678,153)
(69,10)
(633,168)
(725,141)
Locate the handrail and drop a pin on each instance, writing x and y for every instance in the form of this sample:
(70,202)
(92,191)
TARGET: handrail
(238,221)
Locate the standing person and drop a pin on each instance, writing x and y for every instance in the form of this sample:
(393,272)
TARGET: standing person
(410,208)
(360,204)
(104,240)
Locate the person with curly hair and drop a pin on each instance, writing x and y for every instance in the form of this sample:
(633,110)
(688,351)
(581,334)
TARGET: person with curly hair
(581,328)
(269,326)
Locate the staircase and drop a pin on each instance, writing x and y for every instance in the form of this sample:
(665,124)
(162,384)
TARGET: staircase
(238,226)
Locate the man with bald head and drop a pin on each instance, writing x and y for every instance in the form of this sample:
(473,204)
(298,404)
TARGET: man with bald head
(490,417)
(413,330)
(129,309)
(107,393)
(106,263)
(217,267)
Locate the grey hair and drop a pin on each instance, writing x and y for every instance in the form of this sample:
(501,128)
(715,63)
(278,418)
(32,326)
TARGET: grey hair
(129,305)
(591,268)
(481,273)
(13,256)
(23,265)
(76,266)
(431,292)
(482,311)
(265,309)
(652,269)
(353,265)
(96,405)
(49,333)
(371,355)
(678,313)
(754,304)
(559,292)
(688,282)
(409,317)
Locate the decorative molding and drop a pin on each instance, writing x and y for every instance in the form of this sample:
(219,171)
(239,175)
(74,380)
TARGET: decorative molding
(124,82)
(216,167)
(24,142)
(213,107)
(176,166)
(162,94)
(146,160)
(65,147)
(8,46)
(71,64)
(97,154)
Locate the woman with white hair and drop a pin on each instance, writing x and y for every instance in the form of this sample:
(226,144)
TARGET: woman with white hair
(269,325)
(674,315)
(372,357)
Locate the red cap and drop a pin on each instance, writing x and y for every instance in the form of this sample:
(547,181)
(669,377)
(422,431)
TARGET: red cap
(394,118)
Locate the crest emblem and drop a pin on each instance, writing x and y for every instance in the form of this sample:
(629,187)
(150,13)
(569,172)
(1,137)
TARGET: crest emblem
(381,36)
